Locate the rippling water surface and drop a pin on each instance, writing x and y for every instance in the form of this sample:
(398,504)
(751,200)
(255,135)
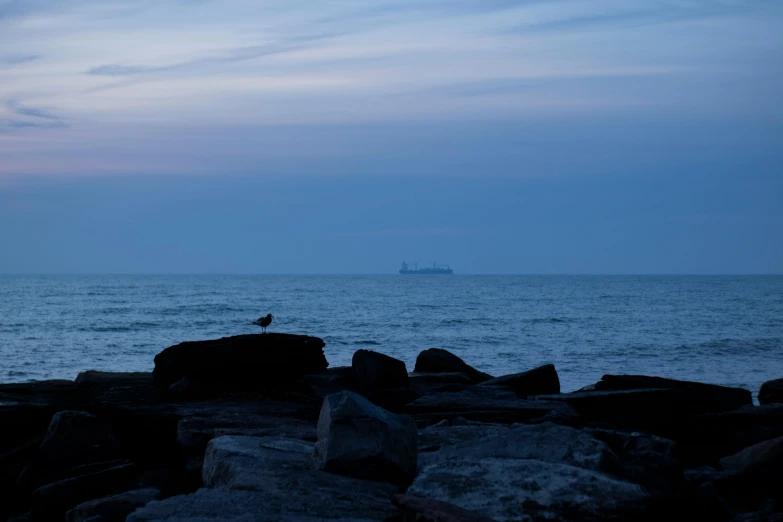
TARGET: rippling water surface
(723,330)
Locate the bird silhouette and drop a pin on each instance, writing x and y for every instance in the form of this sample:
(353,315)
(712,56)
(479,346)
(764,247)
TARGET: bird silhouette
(263,322)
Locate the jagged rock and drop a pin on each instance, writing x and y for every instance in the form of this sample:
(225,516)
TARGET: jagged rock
(506,489)
(487,404)
(113,508)
(758,468)
(271,479)
(546,442)
(418,509)
(74,438)
(771,392)
(438,360)
(359,439)
(698,397)
(376,371)
(50,502)
(242,362)
(538,381)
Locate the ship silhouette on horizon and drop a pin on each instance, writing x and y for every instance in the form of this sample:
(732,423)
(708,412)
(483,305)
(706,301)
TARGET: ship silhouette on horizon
(436,269)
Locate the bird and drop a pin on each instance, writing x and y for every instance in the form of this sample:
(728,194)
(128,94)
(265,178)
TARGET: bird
(263,322)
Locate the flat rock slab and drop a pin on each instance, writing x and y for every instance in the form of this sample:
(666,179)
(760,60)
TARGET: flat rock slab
(546,442)
(271,478)
(242,362)
(526,490)
(487,404)
(113,508)
(232,505)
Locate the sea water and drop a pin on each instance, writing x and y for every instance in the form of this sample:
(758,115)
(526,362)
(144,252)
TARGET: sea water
(723,330)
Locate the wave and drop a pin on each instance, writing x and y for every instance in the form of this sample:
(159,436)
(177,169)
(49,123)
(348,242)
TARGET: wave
(735,346)
(368,343)
(540,320)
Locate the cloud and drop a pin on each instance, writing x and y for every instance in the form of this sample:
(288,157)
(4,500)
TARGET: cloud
(25,117)
(16,59)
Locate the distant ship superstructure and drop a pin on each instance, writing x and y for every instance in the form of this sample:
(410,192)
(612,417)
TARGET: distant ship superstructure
(436,269)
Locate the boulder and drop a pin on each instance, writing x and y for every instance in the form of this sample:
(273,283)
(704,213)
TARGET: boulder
(112,508)
(487,404)
(771,392)
(433,438)
(271,479)
(429,383)
(418,509)
(359,439)
(546,442)
(706,439)
(697,397)
(333,380)
(526,489)
(241,363)
(758,469)
(26,408)
(438,360)
(50,502)
(74,438)
(538,381)
(661,411)
(377,371)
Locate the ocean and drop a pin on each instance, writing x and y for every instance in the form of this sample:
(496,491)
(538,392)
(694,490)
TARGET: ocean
(724,330)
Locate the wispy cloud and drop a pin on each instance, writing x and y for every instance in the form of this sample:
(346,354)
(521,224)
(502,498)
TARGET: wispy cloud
(25,117)
(16,59)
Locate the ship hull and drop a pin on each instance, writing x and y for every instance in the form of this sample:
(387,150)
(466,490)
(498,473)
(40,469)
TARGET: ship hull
(427,271)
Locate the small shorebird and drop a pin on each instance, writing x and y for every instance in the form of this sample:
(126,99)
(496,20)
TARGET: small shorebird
(263,322)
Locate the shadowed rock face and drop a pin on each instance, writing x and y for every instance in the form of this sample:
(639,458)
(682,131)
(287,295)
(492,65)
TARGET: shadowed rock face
(271,479)
(538,381)
(438,360)
(240,363)
(373,371)
(771,392)
(359,439)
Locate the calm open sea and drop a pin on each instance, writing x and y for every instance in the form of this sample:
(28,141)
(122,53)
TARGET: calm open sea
(724,330)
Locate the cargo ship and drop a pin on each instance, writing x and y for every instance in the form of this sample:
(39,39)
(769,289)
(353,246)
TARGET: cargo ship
(436,269)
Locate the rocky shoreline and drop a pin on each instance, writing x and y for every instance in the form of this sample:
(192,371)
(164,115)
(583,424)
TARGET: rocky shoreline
(259,428)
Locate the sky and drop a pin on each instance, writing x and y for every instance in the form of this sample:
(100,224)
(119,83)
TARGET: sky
(298,136)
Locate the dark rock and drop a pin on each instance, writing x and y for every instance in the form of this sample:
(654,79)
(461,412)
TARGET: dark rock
(271,479)
(644,459)
(758,467)
(113,508)
(698,397)
(50,502)
(526,489)
(27,408)
(487,404)
(546,442)
(241,363)
(195,432)
(771,392)
(429,383)
(435,437)
(661,411)
(707,438)
(392,399)
(418,509)
(74,438)
(333,380)
(438,360)
(758,516)
(375,371)
(359,439)
(538,381)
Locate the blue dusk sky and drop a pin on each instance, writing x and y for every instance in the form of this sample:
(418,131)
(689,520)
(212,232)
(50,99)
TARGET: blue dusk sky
(299,136)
